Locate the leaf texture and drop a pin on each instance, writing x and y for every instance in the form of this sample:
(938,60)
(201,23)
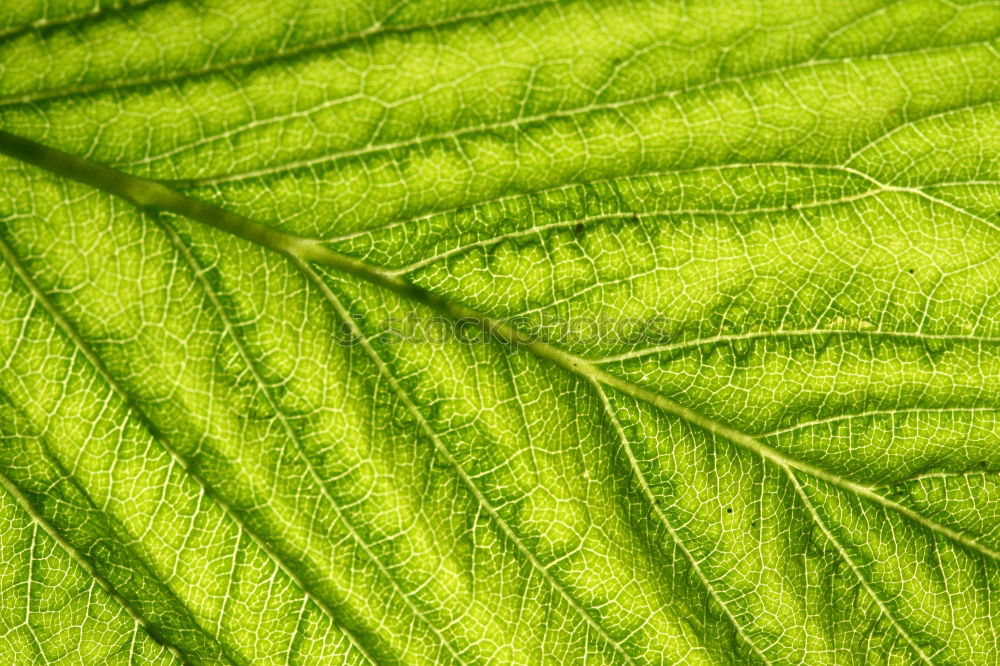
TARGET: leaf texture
(215,451)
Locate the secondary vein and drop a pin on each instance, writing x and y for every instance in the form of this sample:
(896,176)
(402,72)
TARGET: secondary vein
(151,195)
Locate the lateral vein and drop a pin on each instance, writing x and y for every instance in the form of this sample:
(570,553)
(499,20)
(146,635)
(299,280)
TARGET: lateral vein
(148,194)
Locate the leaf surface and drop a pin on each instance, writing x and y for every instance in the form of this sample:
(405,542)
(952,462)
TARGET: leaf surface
(616,332)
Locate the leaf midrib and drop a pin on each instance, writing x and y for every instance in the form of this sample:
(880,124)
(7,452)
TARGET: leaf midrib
(147,195)
(151,195)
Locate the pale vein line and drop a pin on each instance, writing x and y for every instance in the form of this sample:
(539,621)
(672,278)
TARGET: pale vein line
(654,503)
(517,122)
(885,136)
(150,194)
(38,520)
(790,333)
(291,433)
(624,215)
(98,11)
(959,183)
(875,413)
(630,279)
(777,457)
(921,193)
(302,251)
(855,21)
(944,476)
(27,591)
(857,571)
(95,361)
(191,625)
(375,30)
(948,204)
(639,176)
(439,446)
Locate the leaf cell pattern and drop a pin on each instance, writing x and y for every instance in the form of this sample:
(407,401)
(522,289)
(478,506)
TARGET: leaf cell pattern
(212,452)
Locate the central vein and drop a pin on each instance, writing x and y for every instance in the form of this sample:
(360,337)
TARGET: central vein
(151,195)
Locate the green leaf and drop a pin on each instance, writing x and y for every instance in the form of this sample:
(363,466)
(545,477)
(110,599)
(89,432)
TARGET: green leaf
(457,331)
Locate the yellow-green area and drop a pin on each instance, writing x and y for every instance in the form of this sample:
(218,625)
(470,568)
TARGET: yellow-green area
(212,453)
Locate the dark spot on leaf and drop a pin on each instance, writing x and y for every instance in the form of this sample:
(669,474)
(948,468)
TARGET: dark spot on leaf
(729,509)
(578,228)
(910,271)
